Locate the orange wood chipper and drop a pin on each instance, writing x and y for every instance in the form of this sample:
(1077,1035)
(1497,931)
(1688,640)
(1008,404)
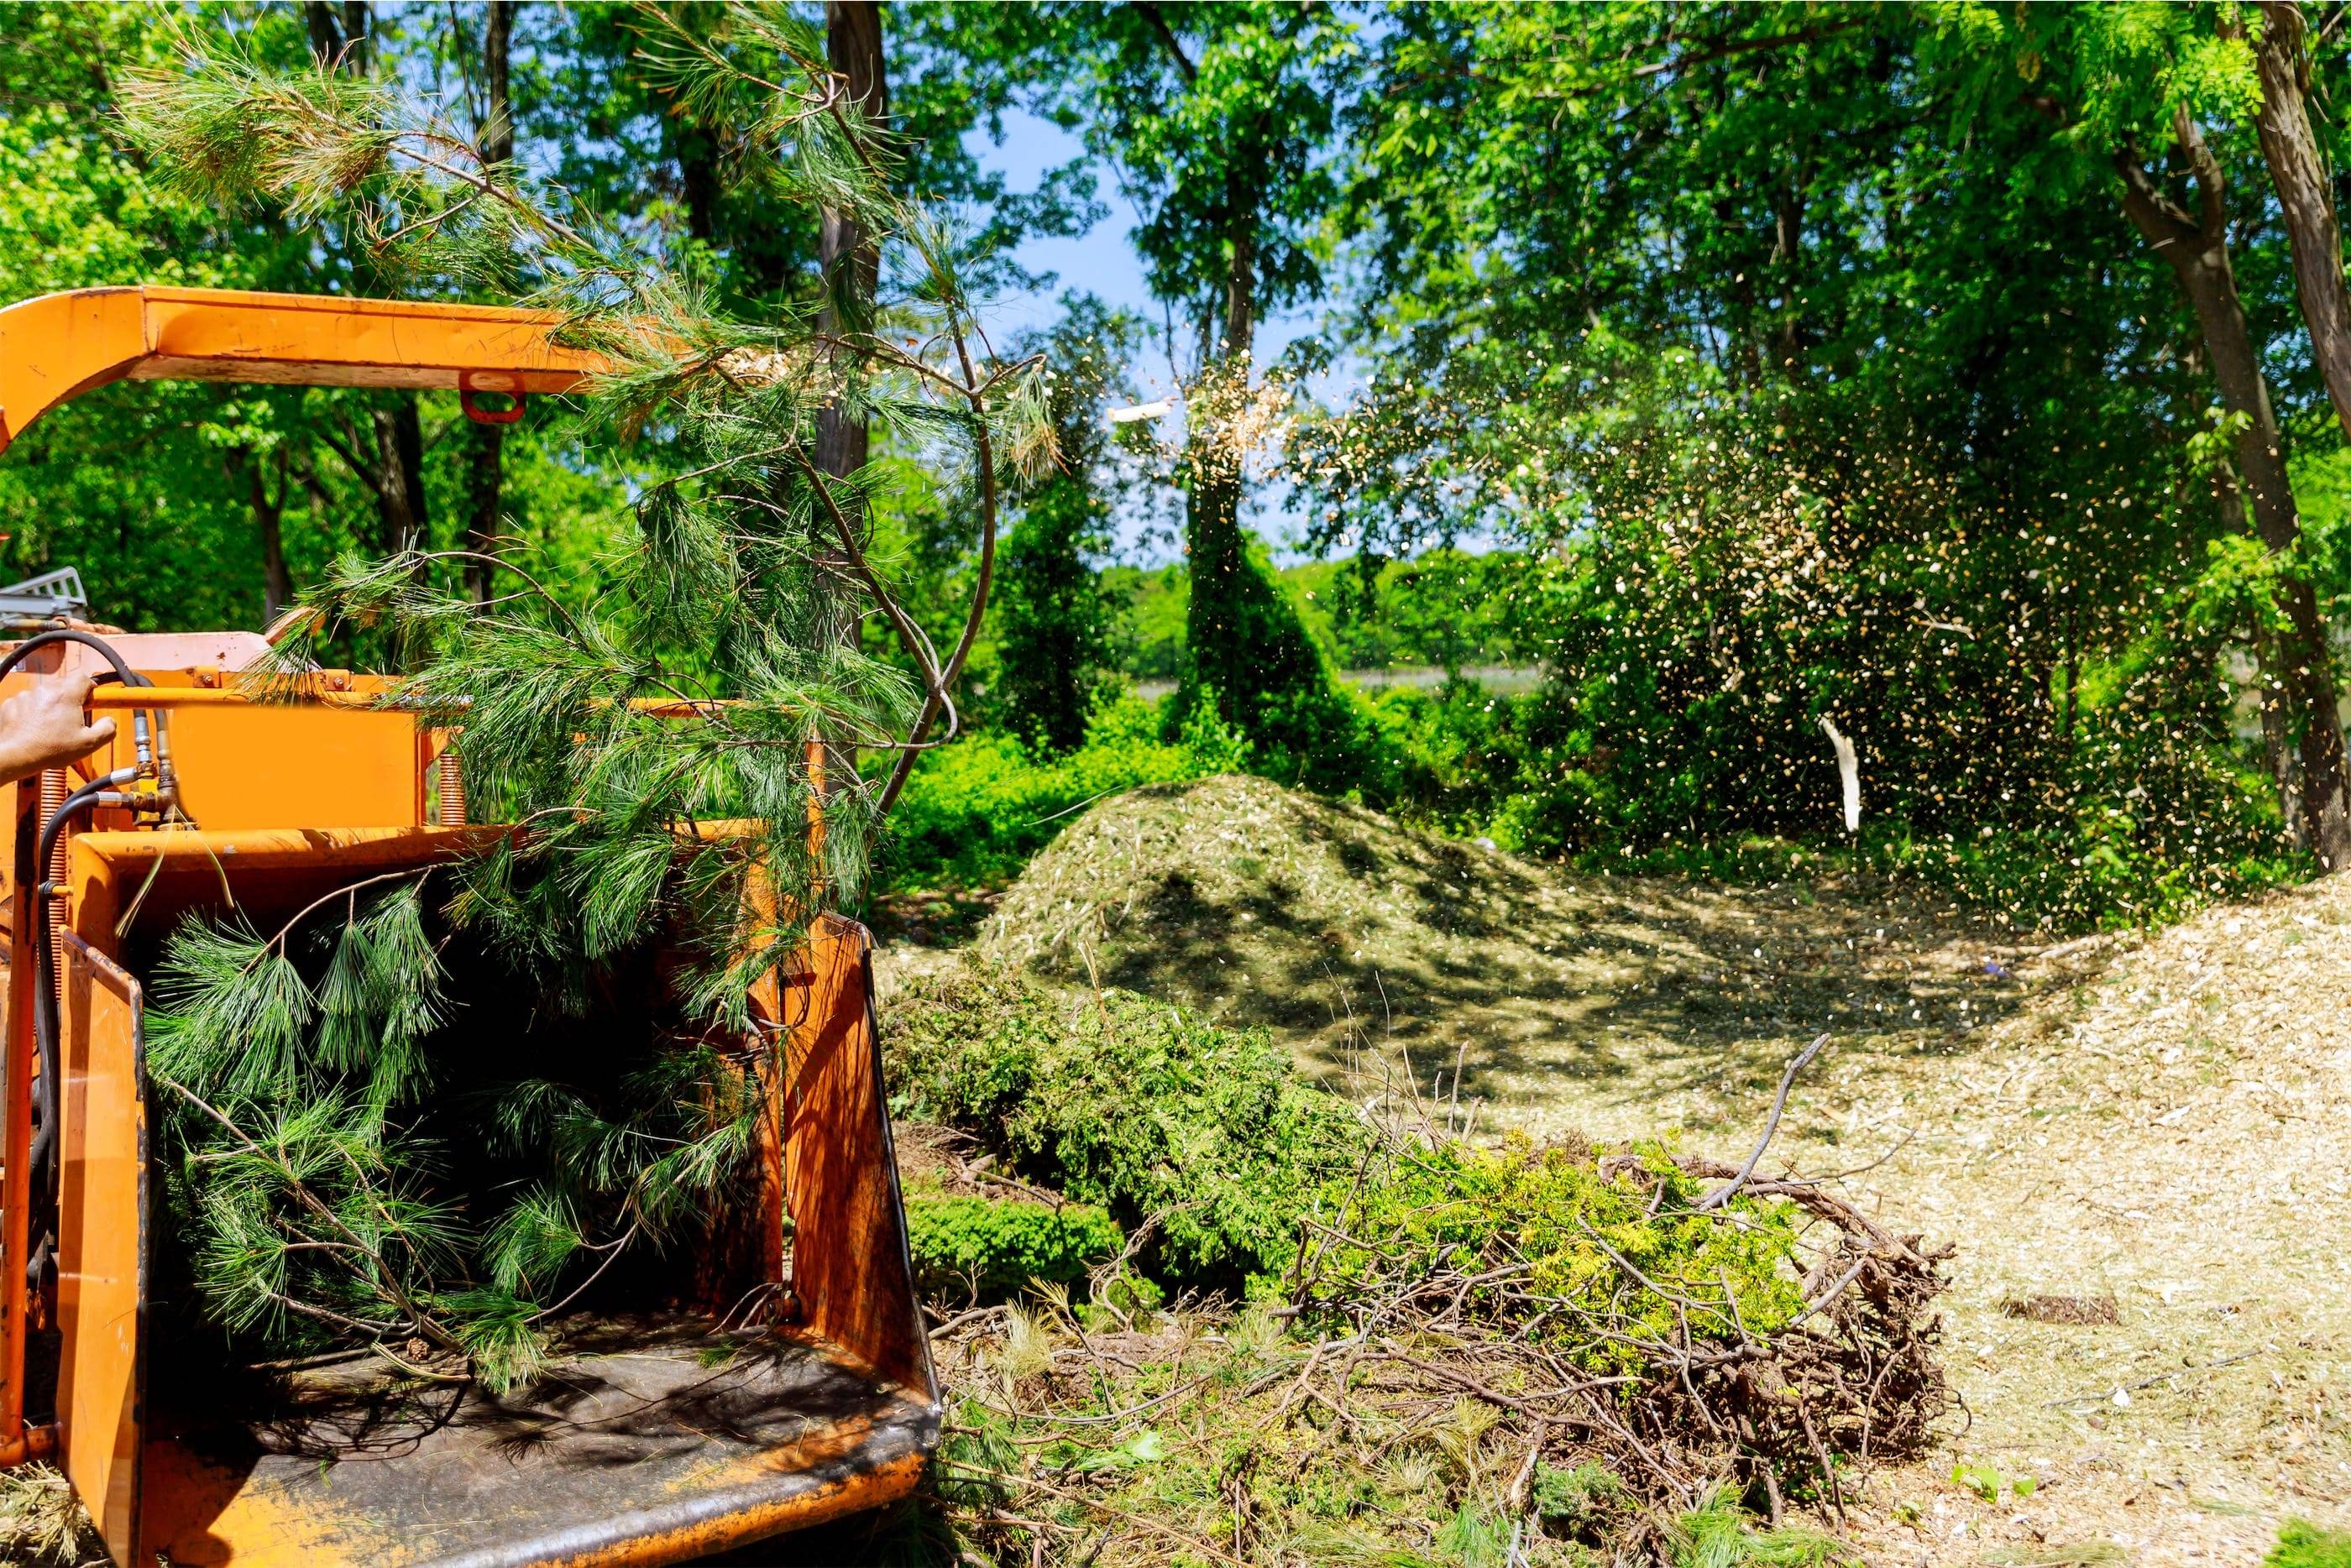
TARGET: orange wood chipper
(660,1439)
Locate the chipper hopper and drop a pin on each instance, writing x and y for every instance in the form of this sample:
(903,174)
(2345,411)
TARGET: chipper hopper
(658,1438)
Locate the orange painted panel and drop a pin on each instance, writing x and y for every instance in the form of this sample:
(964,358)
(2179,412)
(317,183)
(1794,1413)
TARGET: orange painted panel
(231,335)
(247,765)
(102,1219)
(16,1142)
(62,344)
(850,1264)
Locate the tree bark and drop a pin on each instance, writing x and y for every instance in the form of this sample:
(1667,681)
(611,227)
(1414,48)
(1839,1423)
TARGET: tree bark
(849,258)
(399,473)
(268,515)
(341,39)
(2197,250)
(486,472)
(2306,198)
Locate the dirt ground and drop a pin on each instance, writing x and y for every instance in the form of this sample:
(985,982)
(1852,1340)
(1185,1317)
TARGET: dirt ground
(2165,1122)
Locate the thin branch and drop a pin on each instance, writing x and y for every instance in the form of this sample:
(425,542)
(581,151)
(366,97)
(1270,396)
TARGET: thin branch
(1722,1195)
(986,462)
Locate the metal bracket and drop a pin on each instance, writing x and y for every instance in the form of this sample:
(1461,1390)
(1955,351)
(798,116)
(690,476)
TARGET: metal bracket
(50,595)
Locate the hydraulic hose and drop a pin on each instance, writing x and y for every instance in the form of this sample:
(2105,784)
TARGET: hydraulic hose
(41,1162)
(40,1232)
(122,671)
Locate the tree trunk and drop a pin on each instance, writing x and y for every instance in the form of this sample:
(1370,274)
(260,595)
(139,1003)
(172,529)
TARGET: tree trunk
(399,474)
(2306,198)
(341,39)
(849,260)
(485,473)
(269,515)
(2197,250)
(1788,250)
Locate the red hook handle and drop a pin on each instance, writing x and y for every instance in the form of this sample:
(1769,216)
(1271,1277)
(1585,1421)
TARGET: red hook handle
(480,415)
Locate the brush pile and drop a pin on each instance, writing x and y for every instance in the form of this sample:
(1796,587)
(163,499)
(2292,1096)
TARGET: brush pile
(1551,1350)
(1627,1310)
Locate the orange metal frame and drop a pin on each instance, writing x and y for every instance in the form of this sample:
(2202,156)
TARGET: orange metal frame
(57,346)
(252,774)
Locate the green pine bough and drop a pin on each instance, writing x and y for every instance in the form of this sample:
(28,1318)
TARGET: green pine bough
(337,1173)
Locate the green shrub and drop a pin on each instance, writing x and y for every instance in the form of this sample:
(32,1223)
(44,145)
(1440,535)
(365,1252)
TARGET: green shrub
(1580,1497)
(2302,1544)
(1133,1105)
(975,811)
(1545,1225)
(997,1246)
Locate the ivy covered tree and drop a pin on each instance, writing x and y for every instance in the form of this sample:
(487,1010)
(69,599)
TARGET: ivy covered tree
(1057,619)
(1219,117)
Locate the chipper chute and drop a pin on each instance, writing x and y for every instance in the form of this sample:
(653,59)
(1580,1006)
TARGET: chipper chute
(667,1431)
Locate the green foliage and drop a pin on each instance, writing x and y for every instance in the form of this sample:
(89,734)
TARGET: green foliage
(993,1247)
(308,1191)
(2302,1544)
(1207,1136)
(1989,1481)
(975,811)
(1718,1533)
(1577,1500)
(1809,459)
(1571,1231)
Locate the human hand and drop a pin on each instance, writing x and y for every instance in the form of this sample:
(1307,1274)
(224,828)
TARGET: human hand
(42,726)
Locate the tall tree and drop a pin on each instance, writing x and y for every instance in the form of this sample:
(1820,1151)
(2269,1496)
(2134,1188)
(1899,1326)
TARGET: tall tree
(1056,618)
(392,460)
(1220,117)
(2142,92)
(485,470)
(2196,248)
(2306,195)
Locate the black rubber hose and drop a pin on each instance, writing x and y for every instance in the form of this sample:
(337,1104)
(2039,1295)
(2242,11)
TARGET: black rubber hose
(122,669)
(44,1018)
(46,1107)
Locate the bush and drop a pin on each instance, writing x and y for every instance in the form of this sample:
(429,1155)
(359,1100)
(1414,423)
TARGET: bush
(1133,1105)
(975,811)
(1554,1225)
(987,1247)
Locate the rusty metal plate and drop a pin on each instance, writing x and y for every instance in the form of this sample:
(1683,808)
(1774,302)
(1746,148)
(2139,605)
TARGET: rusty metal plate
(655,1443)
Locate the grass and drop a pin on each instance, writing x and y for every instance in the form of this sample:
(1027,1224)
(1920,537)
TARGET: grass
(978,810)
(2302,1544)
(41,1524)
